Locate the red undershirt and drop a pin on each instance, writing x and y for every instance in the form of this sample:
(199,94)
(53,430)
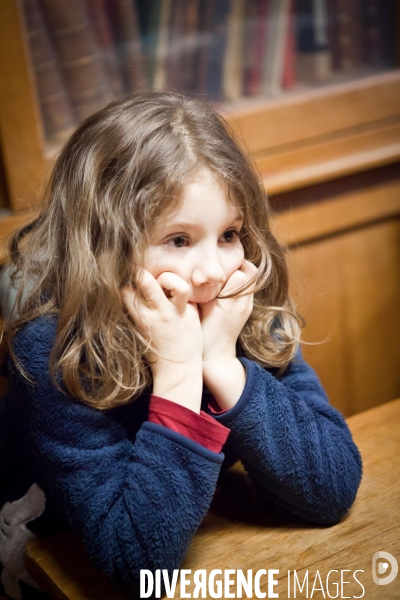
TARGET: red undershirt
(200,428)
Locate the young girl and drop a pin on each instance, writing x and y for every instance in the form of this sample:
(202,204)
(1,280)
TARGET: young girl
(151,334)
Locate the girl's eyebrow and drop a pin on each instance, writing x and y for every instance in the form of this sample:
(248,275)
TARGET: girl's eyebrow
(191,225)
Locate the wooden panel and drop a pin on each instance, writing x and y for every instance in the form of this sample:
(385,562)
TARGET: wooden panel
(371,269)
(330,159)
(317,288)
(4,197)
(8,224)
(321,112)
(349,209)
(348,289)
(21,129)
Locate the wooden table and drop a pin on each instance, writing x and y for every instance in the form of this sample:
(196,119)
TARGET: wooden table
(236,534)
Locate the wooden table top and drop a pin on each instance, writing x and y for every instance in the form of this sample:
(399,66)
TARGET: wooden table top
(237,534)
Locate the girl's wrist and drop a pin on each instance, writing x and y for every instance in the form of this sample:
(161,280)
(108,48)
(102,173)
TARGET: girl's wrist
(181,383)
(225,377)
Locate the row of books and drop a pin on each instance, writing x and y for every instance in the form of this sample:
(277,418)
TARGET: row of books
(86,53)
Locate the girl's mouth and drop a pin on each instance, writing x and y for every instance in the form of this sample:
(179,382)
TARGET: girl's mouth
(203,301)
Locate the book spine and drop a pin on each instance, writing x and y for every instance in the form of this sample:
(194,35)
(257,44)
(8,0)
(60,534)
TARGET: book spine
(54,103)
(106,45)
(189,42)
(333,42)
(249,39)
(160,71)
(124,16)
(73,38)
(313,60)
(206,13)
(149,12)
(390,23)
(289,70)
(275,48)
(346,17)
(218,38)
(254,78)
(173,64)
(378,19)
(233,60)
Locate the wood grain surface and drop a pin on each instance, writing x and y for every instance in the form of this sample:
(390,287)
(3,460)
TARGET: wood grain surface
(349,209)
(21,127)
(327,111)
(347,288)
(361,149)
(238,534)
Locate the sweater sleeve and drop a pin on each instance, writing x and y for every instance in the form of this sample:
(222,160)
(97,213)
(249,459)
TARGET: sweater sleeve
(200,428)
(297,448)
(135,505)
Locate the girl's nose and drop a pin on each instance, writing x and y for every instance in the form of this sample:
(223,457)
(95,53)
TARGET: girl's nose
(208,271)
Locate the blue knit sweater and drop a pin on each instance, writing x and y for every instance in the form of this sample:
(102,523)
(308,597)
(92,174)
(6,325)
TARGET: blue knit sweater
(135,492)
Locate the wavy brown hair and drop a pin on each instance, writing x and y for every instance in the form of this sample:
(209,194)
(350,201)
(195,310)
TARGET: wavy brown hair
(119,171)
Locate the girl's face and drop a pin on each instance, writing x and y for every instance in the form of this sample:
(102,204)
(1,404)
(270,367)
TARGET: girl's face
(198,240)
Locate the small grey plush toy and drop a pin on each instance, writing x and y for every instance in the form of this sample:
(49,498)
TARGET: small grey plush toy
(14,536)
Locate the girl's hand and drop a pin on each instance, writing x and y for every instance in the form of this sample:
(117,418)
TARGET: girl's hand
(222,320)
(173,326)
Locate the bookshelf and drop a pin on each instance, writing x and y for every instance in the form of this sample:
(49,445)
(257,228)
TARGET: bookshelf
(321,121)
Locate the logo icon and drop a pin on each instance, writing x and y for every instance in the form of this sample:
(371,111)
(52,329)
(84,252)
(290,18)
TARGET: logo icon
(383,567)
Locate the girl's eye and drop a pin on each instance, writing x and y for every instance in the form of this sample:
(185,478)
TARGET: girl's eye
(231,236)
(178,241)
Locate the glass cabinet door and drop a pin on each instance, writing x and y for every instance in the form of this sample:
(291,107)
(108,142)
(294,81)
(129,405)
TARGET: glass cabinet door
(86,53)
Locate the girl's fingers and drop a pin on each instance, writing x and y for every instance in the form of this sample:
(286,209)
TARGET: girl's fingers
(240,278)
(234,283)
(148,290)
(250,272)
(175,288)
(130,299)
(167,285)
(156,291)
(149,287)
